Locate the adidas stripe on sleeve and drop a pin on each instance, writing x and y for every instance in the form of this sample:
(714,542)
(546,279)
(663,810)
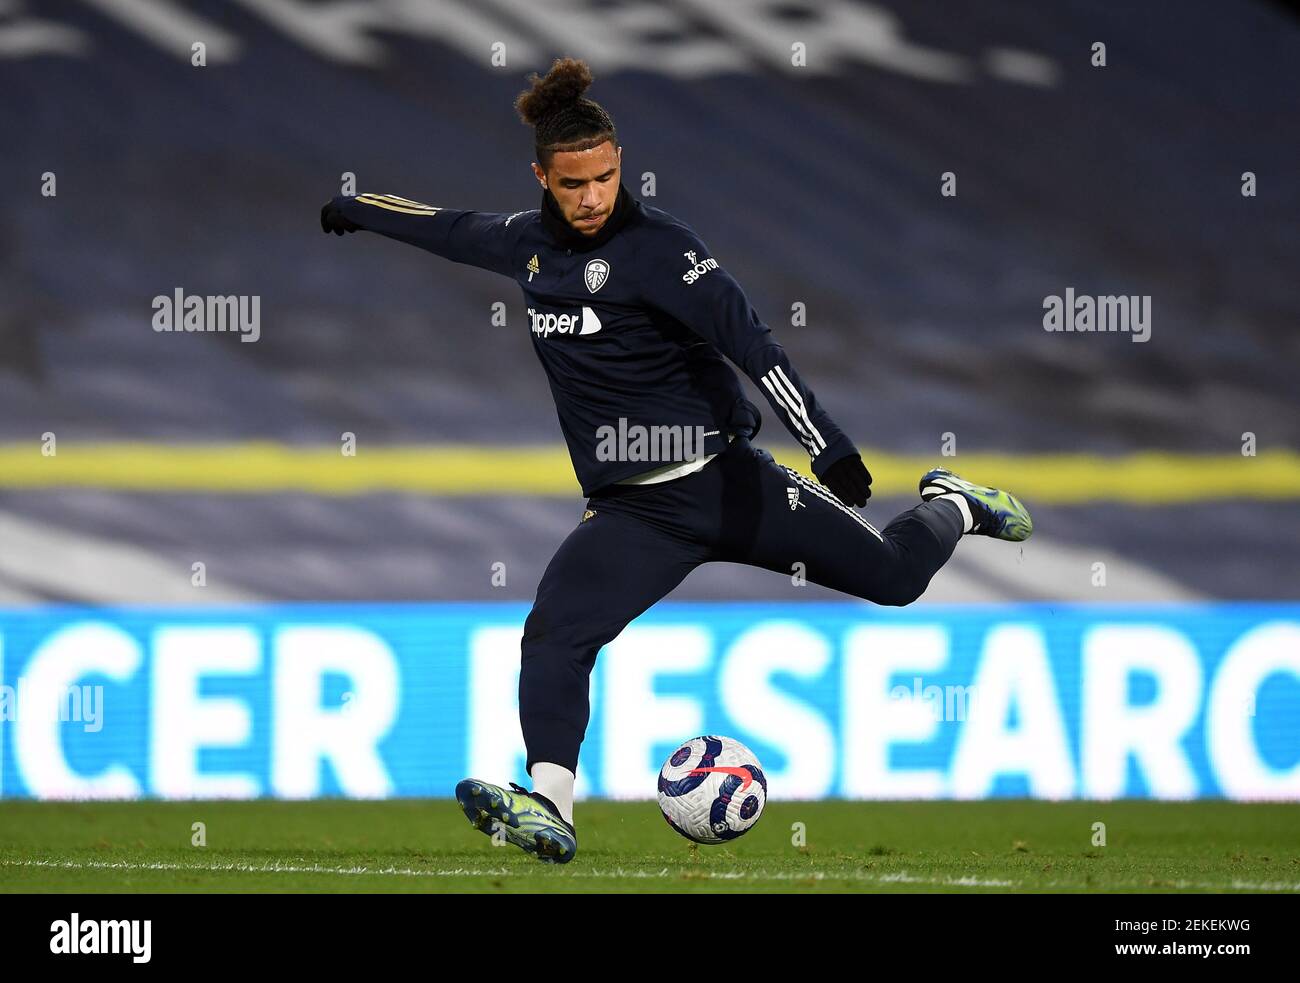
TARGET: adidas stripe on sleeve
(482,239)
(692,287)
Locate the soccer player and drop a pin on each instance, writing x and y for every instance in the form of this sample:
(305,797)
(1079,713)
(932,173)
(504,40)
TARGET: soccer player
(633,320)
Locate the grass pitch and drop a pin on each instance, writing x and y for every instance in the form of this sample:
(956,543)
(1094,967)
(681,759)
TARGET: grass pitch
(427,846)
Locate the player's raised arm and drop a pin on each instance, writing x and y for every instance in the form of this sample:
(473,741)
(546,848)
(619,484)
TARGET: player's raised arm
(482,239)
(688,284)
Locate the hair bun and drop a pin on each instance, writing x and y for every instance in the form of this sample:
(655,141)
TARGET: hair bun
(563,85)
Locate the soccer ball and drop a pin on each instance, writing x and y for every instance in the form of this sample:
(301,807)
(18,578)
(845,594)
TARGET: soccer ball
(712,789)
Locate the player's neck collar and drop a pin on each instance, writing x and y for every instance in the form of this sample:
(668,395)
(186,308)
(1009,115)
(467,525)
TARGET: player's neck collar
(570,238)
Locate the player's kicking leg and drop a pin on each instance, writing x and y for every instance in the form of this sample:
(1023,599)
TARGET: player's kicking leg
(838,548)
(987,511)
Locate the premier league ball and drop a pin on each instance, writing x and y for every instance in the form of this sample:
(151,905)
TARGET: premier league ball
(712,789)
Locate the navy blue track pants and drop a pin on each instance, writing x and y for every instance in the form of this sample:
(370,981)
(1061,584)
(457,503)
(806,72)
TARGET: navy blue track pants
(642,541)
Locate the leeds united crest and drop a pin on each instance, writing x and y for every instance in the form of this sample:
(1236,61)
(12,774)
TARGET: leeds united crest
(596,274)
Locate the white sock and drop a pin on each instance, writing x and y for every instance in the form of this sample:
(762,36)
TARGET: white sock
(556,783)
(963,506)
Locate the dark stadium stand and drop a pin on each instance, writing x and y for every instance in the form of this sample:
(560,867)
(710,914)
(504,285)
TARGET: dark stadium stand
(924,312)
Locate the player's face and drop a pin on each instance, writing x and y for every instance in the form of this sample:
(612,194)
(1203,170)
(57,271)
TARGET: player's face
(585,183)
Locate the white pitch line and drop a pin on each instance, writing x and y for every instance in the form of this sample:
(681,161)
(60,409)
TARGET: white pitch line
(274,868)
(615,874)
(900,877)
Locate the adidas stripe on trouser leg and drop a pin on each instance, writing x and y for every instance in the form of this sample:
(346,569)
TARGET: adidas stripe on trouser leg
(836,546)
(643,540)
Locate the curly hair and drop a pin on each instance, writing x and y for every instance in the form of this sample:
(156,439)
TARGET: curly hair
(562,120)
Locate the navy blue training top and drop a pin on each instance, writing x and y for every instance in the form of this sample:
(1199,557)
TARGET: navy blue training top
(631,326)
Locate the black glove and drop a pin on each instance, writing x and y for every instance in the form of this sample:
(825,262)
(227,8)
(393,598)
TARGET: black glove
(849,479)
(333,220)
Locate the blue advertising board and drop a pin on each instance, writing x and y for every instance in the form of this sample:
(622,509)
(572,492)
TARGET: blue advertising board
(837,699)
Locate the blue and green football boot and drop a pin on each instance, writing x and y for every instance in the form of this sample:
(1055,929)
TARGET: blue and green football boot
(527,819)
(994,513)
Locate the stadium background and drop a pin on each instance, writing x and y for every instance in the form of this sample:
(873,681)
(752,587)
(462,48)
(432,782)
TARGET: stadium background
(351,631)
